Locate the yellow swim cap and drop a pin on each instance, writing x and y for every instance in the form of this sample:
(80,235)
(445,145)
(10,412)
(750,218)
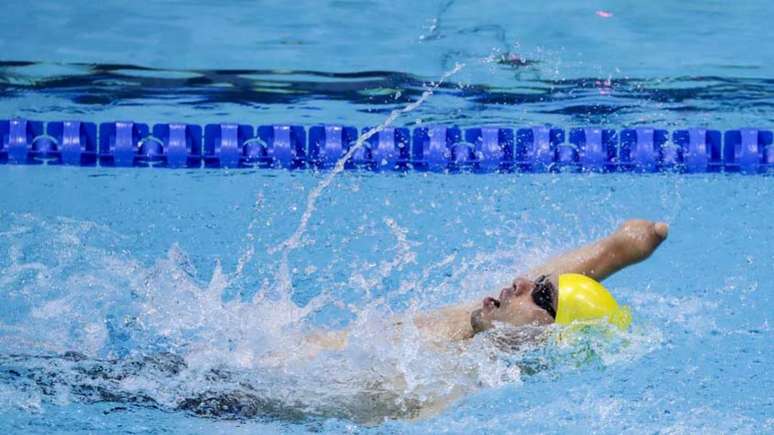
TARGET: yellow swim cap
(582,298)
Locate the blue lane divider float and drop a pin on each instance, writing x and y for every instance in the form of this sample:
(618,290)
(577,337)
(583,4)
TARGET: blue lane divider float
(74,143)
(697,149)
(385,150)
(283,145)
(593,149)
(328,143)
(493,147)
(748,149)
(226,146)
(18,141)
(537,148)
(434,148)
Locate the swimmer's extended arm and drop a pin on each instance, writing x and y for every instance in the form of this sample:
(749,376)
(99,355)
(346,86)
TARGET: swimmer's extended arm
(631,243)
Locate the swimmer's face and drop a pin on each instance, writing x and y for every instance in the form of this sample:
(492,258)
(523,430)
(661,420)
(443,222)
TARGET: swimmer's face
(523,303)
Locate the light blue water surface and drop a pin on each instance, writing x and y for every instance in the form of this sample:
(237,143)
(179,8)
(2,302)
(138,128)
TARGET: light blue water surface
(665,63)
(151,276)
(77,272)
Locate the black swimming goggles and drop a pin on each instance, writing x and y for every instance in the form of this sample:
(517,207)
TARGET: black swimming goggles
(543,294)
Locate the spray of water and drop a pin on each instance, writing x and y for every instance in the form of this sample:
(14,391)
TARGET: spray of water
(286,247)
(158,334)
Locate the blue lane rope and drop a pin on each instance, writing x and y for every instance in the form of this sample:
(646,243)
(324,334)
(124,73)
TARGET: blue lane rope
(436,148)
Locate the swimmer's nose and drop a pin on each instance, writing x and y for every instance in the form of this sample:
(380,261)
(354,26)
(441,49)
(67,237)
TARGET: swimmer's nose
(506,293)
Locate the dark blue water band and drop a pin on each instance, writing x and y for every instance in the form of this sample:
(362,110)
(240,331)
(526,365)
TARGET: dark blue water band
(436,148)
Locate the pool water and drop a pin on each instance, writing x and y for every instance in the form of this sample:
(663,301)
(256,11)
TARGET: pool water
(661,63)
(149,301)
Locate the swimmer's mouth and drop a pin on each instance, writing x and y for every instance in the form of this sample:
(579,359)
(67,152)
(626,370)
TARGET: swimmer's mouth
(543,295)
(490,300)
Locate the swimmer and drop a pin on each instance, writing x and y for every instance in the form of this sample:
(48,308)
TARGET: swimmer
(531,299)
(528,303)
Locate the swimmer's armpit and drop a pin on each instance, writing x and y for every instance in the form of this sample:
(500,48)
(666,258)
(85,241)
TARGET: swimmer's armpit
(634,241)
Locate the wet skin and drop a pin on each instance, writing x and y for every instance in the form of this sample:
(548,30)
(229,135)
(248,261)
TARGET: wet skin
(526,301)
(515,305)
(633,241)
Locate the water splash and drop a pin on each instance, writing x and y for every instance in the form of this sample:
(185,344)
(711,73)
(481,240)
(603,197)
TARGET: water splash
(283,274)
(160,336)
